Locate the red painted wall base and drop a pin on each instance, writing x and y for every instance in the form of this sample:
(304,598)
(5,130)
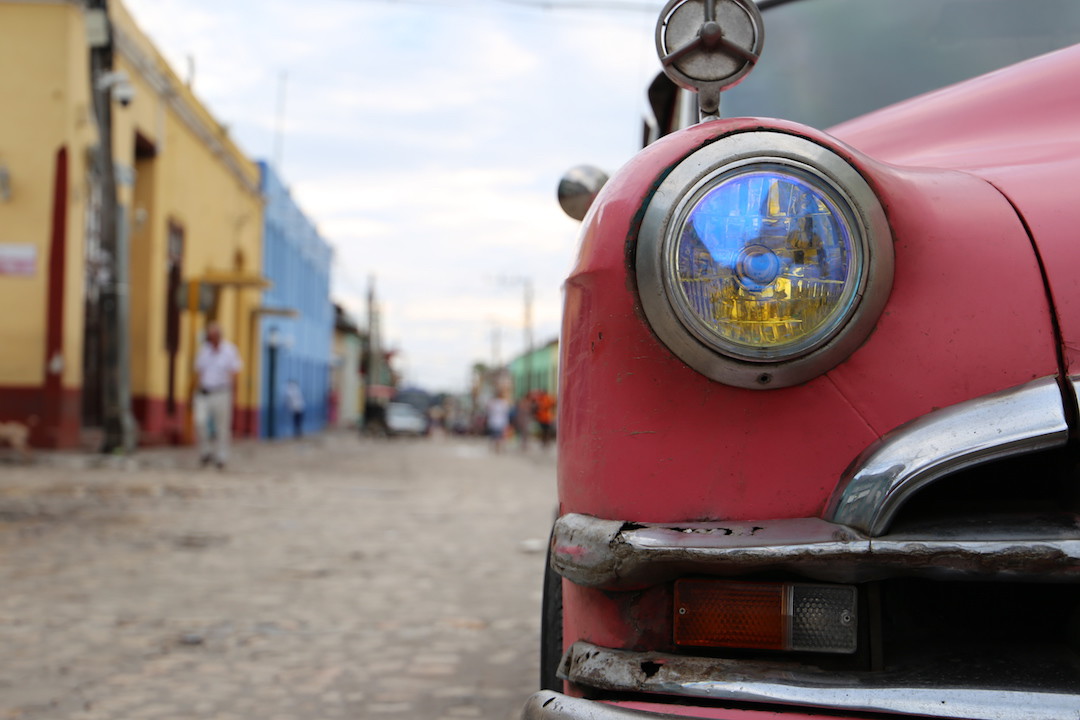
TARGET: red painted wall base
(54,417)
(157,426)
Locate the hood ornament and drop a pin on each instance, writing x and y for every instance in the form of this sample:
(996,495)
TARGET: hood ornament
(708,46)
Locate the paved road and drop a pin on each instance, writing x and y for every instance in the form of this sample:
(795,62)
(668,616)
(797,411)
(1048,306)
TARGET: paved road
(330,578)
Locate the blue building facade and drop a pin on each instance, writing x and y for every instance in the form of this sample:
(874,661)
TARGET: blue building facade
(297,321)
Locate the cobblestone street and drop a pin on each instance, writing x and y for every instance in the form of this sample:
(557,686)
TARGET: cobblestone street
(332,577)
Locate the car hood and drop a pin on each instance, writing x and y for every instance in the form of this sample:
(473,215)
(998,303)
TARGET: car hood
(1018,115)
(1018,129)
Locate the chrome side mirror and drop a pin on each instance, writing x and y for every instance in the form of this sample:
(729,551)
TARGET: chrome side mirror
(579,188)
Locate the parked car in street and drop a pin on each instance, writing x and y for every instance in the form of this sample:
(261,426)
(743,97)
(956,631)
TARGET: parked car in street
(404,419)
(818,433)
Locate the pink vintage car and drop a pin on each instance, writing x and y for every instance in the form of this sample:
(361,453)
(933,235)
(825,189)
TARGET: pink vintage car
(818,431)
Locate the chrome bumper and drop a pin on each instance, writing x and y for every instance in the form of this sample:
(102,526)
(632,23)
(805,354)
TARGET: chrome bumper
(793,686)
(614,555)
(853,540)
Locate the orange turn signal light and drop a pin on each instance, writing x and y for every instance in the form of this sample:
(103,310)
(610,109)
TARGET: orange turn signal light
(766,615)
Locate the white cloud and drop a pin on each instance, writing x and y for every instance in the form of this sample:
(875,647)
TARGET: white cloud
(426,140)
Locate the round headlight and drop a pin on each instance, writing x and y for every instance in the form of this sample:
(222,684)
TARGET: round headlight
(764,260)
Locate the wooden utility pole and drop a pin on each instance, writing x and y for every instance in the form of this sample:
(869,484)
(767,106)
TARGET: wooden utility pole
(119,424)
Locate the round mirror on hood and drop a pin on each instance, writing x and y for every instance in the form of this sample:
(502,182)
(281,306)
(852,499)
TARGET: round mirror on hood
(579,188)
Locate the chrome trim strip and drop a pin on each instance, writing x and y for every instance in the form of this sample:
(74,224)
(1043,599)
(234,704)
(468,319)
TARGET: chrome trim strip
(789,684)
(612,555)
(1023,419)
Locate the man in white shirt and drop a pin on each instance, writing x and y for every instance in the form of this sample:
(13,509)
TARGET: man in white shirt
(216,366)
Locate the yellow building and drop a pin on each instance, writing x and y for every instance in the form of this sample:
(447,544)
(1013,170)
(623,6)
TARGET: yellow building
(189,210)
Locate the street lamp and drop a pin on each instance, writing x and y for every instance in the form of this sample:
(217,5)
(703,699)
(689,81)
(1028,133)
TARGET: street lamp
(527,287)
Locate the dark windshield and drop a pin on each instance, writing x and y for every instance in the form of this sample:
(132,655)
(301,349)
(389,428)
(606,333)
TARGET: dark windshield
(826,61)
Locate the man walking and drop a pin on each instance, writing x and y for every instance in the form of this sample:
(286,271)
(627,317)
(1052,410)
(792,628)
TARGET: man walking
(216,366)
(294,401)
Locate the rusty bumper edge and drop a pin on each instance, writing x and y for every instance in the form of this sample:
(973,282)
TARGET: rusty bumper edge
(714,679)
(614,555)
(548,705)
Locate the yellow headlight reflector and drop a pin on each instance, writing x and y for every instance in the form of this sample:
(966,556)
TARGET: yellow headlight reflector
(764,262)
(766,615)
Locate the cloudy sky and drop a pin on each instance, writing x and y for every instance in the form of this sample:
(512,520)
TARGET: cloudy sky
(426,138)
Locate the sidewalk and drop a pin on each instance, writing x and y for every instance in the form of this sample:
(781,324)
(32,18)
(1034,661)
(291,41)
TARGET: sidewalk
(244,451)
(162,457)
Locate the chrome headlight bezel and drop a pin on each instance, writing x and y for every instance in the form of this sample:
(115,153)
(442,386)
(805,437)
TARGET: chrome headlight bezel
(689,181)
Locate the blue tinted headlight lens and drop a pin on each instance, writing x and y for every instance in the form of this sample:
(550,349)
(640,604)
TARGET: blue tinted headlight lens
(765,262)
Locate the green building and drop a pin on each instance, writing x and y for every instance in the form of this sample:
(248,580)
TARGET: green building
(536,370)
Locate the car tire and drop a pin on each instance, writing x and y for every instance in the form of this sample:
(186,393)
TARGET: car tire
(551,628)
